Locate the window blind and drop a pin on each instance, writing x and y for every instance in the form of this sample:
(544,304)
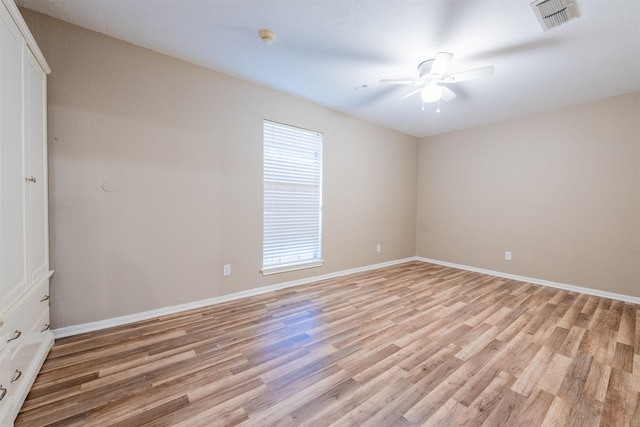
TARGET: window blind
(292,221)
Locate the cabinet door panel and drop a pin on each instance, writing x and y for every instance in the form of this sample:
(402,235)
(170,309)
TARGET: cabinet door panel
(37,168)
(13,277)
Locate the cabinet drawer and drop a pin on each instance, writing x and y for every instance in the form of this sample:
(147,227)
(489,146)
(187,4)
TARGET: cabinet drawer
(6,401)
(19,368)
(24,317)
(5,377)
(23,368)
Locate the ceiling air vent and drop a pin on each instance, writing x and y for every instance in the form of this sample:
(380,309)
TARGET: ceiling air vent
(551,13)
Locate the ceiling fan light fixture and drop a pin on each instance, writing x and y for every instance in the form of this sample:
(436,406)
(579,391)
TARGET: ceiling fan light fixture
(431,93)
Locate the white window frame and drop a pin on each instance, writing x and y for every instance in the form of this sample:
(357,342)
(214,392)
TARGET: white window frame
(292,198)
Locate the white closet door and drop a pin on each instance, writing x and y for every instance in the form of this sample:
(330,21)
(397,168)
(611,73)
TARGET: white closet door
(35,90)
(13,279)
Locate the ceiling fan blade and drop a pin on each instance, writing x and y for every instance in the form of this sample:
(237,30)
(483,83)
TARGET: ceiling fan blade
(413,92)
(469,75)
(441,63)
(447,94)
(401,82)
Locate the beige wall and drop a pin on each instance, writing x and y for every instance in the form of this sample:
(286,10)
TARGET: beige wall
(155,183)
(155,172)
(561,190)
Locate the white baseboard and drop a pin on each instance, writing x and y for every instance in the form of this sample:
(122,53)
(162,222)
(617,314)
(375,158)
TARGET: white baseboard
(123,320)
(588,291)
(145,315)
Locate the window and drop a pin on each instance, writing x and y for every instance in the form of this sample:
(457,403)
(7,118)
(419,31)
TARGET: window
(292,222)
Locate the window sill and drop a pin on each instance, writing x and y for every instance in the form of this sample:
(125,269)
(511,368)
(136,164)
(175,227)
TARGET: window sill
(290,267)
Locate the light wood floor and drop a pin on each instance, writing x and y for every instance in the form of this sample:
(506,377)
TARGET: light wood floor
(414,344)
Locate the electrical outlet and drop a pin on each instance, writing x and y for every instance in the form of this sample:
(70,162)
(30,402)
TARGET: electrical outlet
(227,270)
(378,247)
(507,255)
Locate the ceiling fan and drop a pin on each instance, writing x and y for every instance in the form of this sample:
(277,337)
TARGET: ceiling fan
(432,78)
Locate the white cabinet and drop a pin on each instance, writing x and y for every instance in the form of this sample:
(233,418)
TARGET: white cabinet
(13,274)
(36,173)
(25,338)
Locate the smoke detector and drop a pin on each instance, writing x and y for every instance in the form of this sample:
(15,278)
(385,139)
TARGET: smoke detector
(267,36)
(552,13)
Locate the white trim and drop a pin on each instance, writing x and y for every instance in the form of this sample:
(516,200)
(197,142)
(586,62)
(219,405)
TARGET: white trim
(291,267)
(588,291)
(145,315)
(24,29)
(123,320)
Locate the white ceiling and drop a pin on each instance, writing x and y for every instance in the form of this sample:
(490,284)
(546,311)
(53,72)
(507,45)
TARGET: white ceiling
(326,50)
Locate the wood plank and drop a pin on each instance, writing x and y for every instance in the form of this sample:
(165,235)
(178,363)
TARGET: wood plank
(554,374)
